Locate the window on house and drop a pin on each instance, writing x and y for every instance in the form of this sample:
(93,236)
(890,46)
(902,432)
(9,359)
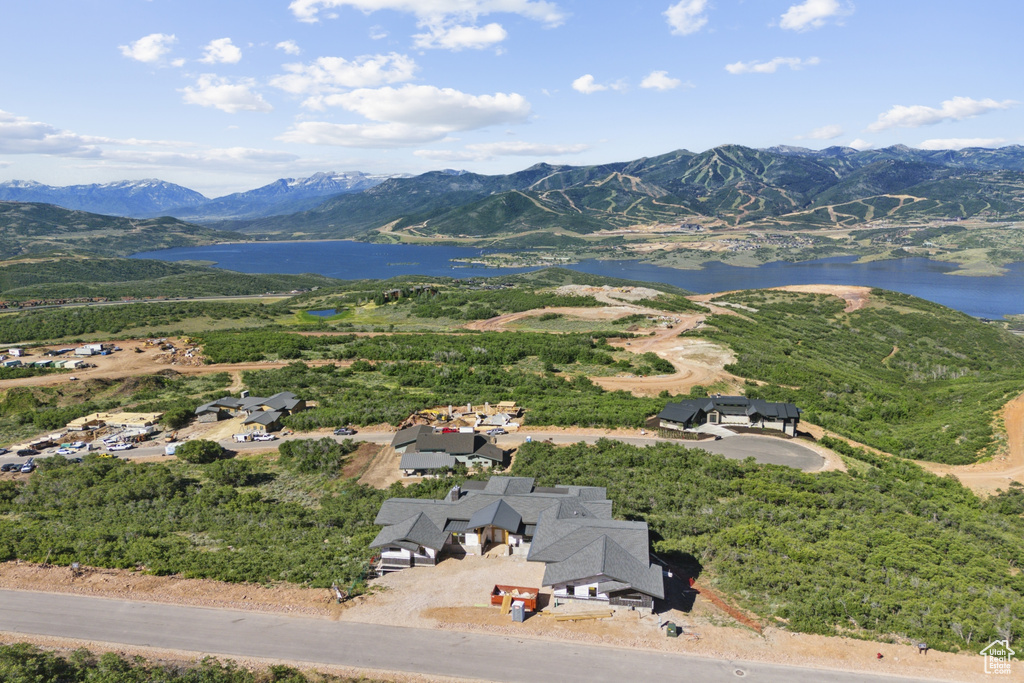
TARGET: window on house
(593,591)
(570,590)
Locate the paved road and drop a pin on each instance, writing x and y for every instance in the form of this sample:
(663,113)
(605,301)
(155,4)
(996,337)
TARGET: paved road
(370,646)
(764,449)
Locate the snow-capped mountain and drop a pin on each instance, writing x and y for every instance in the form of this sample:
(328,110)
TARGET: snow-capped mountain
(133,198)
(284,196)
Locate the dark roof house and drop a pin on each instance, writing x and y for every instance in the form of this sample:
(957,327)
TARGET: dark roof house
(569,528)
(730,410)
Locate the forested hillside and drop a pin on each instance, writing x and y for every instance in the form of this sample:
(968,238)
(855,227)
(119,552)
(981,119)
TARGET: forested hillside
(904,375)
(727,185)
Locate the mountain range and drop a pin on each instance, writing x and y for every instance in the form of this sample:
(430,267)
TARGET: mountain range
(152,198)
(731,185)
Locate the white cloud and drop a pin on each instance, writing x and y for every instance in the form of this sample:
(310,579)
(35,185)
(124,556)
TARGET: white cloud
(447,24)
(378,33)
(410,115)
(586,85)
(221,51)
(861,145)
(213,91)
(687,16)
(660,80)
(432,12)
(956,109)
(456,38)
(178,63)
(426,105)
(794,63)
(811,14)
(355,135)
(823,133)
(19,135)
(149,48)
(329,74)
(489,150)
(290,47)
(961,143)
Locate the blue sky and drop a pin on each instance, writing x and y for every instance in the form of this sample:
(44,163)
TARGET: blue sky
(227,95)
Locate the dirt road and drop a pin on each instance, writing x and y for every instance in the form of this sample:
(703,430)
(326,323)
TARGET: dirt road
(987,477)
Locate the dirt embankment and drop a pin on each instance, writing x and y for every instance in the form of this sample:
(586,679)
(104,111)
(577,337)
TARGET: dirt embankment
(987,477)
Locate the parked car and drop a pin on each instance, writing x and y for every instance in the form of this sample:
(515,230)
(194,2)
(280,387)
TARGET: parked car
(72,379)
(450,430)
(120,447)
(65,451)
(264,437)
(28,467)
(4,451)
(10,467)
(78,444)
(75,460)
(26,451)
(497,431)
(344,431)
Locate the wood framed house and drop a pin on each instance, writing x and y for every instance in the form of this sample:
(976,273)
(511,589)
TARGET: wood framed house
(589,555)
(738,411)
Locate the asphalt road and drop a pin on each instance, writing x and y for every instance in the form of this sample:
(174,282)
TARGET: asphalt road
(764,449)
(370,646)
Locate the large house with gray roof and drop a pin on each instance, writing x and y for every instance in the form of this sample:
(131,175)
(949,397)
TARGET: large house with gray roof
(423,450)
(261,414)
(588,555)
(738,411)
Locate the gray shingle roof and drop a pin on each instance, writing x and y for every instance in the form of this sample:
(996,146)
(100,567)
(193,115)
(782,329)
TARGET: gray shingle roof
(427,461)
(406,436)
(603,557)
(263,417)
(418,530)
(498,514)
(685,411)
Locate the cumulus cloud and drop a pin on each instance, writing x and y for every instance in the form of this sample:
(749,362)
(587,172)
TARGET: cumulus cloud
(586,84)
(212,91)
(19,135)
(823,133)
(794,63)
(409,115)
(955,109)
(290,47)
(149,49)
(427,105)
(811,14)
(221,51)
(961,143)
(457,38)
(861,145)
(660,80)
(329,74)
(687,16)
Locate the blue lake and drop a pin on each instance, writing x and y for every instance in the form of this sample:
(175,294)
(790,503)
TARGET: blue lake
(983,297)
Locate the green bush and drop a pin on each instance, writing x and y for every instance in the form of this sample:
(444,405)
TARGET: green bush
(315,456)
(200,451)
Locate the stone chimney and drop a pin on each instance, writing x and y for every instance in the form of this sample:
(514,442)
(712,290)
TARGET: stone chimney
(454,494)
